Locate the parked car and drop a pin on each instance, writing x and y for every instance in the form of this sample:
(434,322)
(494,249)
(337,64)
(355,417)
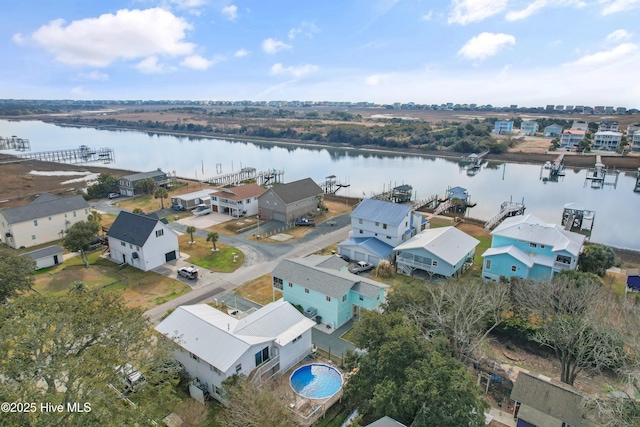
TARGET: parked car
(360,267)
(344,257)
(177,207)
(113,195)
(202,209)
(304,222)
(189,272)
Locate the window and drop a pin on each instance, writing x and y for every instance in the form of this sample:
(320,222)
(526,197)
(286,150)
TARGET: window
(137,248)
(35,222)
(360,221)
(261,357)
(74,214)
(361,232)
(328,298)
(216,390)
(214,369)
(299,337)
(533,245)
(159,233)
(275,204)
(541,246)
(344,297)
(277,283)
(563,259)
(123,244)
(86,211)
(406,223)
(360,297)
(130,246)
(49,220)
(434,263)
(306,290)
(377,224)
(389,237)
(290,285)
(384,226)
(248,201)
(194,357)
(238,368)
(487,264)
(33,237)
(514,268)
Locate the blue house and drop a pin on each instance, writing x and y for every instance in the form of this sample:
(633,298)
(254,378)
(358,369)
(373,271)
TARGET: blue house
(324,288)
(527,247)
(503,127)
(378,227)
(553,131)
(444,251)
(529,127)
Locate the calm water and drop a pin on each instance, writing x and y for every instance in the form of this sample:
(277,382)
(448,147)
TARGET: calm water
(616,208)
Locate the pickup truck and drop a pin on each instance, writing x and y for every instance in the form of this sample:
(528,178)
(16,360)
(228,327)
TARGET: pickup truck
(304,222)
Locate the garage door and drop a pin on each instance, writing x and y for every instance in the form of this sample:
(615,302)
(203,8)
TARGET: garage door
(170,256)
(346,252)
(374,260)
(359,256)
(279,217)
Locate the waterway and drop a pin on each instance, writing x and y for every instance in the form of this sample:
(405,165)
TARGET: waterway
(617,208)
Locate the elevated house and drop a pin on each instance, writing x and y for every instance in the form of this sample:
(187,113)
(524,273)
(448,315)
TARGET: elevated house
(632,129)
(378,227)
(635,141)
(444,251)
(239,200)
(571,138)
(608,126)
(503,127)
(529,127)
(541,401)
(326,290)
(576,125)
(214,346)
(128,183)
(44,220)
(141,241)
(527,247)
(607,140)
(46,257)
(553,131)
(288,202)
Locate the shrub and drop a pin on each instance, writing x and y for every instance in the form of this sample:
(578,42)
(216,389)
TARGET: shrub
(384,269)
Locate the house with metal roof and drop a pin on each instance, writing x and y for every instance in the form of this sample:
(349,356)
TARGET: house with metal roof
(525,246)
(141,241)
(541,401)
(444,251)
(44,220)
(325,289)
(378,227)
(46,257)
(288,202)
(214,345)
(238,200)
(190,200)
(128,183)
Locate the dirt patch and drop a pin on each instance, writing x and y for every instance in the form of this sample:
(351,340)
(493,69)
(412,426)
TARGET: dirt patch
(259,290)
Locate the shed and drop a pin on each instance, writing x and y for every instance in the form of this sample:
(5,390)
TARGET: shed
(46,257)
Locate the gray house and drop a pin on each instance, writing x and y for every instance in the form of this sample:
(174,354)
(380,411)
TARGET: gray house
(541,401)
(128,183)
(288,202)
(553,131)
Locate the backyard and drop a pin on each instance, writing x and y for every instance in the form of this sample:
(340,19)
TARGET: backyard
(225,260)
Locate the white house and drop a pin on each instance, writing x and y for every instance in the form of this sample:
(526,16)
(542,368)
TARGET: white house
(44,220)
(190,200)
(529,127)
(46,257)
(632,129)
(445,251)
(214,345)
(608,127)
(571,138)
(378,227)
(141,241)
(635,141)
(240,200)
(607,140)
(503,127)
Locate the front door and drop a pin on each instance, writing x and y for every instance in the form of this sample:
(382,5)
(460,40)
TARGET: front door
(55,260)
(124,258)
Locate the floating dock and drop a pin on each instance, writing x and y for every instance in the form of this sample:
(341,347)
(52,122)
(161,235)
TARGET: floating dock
(331,185)
(507,209)
(15,143)
(247,174)
(550,171)
(473,162)
(455,199)
(577,219)
(83,154)
(599,175)
(399,194)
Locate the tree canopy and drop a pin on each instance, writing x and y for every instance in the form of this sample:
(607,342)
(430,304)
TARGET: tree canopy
(161,193)
(63,350)
(16,274)
(146,186)
(597,259)
(105,184)
(78,238)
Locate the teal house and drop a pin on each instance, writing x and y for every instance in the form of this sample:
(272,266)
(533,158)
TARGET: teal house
(325,289)
(527,247)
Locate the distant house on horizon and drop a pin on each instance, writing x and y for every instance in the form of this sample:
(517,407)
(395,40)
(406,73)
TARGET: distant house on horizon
(529,127)
(553,131)
(503,127)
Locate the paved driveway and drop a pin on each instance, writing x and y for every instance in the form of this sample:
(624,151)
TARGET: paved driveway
(204,221)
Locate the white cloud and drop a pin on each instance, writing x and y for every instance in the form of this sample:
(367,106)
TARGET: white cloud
(129,34)
(615,6)
(188,4)
(376,79)
(79,91)
(606,57)
(150,65)
(305,28)
(427,16)
(196,62)
(241,53)
(272,46)
(94,75)
(18,39)
(296,72)
(485,45)
(541,4)
(467,11)
(230,12)
(618,35)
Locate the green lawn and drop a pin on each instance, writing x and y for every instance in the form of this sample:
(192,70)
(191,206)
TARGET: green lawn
(200,254)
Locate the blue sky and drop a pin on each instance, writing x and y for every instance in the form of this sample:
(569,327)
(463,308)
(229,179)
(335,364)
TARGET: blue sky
(500,52)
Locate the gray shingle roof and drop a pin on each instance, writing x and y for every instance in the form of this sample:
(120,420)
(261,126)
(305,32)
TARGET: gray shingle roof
(42,207)
(132,228)
(44,252)
(383,212)
(144,175)
(327,281)
(297,190)
(386,422)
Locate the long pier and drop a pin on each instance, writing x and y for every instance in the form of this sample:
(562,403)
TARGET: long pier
(83,154)
(507,209)
(245,174)
(15,143)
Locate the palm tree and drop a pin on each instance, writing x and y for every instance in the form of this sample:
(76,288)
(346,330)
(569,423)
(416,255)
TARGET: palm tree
(94,216)
(191,229)
(161,193)
(213,238)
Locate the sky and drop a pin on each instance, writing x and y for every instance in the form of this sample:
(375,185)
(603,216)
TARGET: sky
(499,52)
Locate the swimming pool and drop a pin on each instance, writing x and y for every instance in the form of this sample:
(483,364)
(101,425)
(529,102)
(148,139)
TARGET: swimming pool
(316,381)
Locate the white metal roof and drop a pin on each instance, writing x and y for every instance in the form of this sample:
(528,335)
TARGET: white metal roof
(529,228)
(200,194)
(447,243)
(220,339)
(515,252)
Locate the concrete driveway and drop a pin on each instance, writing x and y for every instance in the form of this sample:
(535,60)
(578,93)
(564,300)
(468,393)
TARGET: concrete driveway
(204,221)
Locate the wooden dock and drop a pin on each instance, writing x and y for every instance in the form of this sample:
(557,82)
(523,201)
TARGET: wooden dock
(15,143)
(576,218)
(246,174)
(507,209)
(331,185)
(83,154)
(599,175)
(399,194)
